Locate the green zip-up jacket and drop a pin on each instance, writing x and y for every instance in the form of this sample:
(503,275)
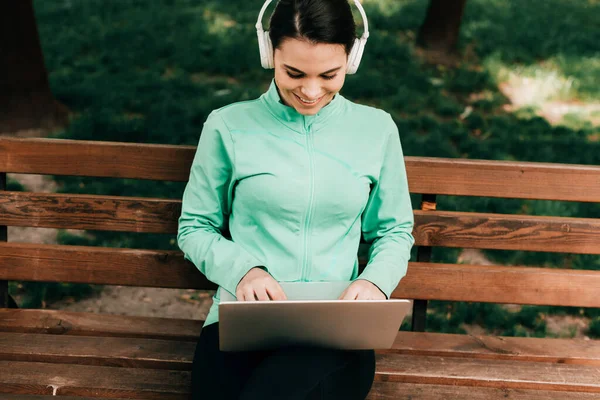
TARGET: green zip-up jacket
(296,193)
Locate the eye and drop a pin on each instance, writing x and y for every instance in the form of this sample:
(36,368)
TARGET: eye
(294,76)
(328,77)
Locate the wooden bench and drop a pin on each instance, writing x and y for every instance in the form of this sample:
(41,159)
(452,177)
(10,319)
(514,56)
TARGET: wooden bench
(46,352)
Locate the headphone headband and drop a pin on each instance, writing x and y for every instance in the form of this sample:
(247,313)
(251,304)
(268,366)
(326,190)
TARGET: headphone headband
(365,35)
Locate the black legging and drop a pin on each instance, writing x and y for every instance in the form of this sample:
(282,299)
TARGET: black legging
(297,373)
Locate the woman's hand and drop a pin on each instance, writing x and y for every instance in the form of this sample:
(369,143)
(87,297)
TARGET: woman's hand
(258,284)
(362,290)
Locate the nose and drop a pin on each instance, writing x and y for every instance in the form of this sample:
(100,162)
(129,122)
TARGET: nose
(311,90)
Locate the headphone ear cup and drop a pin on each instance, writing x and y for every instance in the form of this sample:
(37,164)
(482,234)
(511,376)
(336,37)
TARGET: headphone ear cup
(269,51)
(265,48)
(355,56)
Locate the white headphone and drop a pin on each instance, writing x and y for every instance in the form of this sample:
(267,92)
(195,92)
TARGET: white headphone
(266,46)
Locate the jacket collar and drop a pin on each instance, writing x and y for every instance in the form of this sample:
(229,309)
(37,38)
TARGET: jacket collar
(292,118)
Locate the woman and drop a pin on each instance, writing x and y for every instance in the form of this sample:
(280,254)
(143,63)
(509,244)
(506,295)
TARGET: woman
(297,176)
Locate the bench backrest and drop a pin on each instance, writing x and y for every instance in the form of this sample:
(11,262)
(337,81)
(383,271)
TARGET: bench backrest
(429,177)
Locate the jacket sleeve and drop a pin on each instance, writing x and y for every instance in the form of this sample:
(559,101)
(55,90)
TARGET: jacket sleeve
(388,220)
(206,205)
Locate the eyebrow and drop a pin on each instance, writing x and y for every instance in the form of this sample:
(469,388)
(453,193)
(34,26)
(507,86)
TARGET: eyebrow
(302,72)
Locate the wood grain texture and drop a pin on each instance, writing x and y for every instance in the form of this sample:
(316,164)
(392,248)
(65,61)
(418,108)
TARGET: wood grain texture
(487,373)
(58,322)
(507,232)
(432,228)
(559,351)
(84,380)
(504,179)
(88,212)
(425,281)
(415,391)
(426,175)
(99,351)
(110,266)
(500,284)
(95,158)
(177,355)
(138,329)
(66,379)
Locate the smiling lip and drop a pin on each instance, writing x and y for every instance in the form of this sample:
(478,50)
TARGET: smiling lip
(308,104)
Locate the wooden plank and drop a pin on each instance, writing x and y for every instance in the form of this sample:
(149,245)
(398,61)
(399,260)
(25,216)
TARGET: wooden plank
(84,380)
(425,281)
(90,324)
(504,179)
(500,284)
(99,351)
(109,266)
(70,325)
(415,391)
(432,228)
(550,350)
(177,355)
(507,232)
(4,296)
(98,159)
(426,175)
(487,373)
(103,213)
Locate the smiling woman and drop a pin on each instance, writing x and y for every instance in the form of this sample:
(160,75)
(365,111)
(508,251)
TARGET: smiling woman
(309,75)
(296,177)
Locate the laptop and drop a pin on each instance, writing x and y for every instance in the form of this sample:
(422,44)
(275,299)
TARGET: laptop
(311,316)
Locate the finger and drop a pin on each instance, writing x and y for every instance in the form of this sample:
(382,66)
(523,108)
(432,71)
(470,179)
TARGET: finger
(351,293)
(364,295)
(249,294)
(261,294)
(343,295)
(275,291)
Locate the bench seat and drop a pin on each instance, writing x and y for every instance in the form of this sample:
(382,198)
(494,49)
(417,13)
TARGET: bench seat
(45,352)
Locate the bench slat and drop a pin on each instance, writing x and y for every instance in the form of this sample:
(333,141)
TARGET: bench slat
(35,378)
(460,177)
(99,351)
(88,212)
(432,228)
(93,324)
(413,391)
(487,373)
(560,351)
(87,264)
(96,159)
(84,380)
(507,232)
(426,281)
(500,284)
(504,179)
(124,340)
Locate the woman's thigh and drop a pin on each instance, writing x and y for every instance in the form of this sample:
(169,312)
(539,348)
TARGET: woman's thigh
(217,374)
(312,373)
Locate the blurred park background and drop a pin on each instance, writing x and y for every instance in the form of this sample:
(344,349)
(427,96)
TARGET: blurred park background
(478,79)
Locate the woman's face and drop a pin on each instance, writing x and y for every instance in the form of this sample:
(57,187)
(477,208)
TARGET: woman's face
(309,75)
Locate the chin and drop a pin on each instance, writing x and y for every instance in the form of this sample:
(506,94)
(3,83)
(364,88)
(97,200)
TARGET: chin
(308,112)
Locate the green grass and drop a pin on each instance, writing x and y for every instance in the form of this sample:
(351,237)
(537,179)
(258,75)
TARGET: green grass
(152,71)
(14,186)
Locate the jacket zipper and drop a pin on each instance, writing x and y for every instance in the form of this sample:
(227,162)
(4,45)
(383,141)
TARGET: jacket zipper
(309,146)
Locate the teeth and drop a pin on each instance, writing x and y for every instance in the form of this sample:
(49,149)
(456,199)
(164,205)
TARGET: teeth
(308,101)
